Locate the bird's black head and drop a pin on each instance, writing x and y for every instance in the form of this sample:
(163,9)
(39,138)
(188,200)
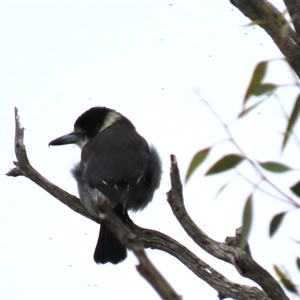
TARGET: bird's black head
(95,120)
(91,122)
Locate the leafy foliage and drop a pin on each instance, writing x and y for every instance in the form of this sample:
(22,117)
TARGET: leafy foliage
(247,222)
(245,111)
(231,160)
(292,121)
(256,81)
(197,160)
(224,164)
(275,223)
(264,88)
(275,167)
(298,263)
(296,189)
(286,281)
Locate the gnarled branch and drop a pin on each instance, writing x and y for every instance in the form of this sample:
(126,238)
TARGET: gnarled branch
(136,238)
(230,251)
(268,17)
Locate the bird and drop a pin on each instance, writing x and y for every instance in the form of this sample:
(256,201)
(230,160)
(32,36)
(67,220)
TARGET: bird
(117,165)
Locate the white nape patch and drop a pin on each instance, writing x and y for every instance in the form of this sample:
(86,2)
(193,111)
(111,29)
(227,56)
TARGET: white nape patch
(110,119)
(82,142)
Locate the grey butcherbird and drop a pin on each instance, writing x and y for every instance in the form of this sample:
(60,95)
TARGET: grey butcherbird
(116,164)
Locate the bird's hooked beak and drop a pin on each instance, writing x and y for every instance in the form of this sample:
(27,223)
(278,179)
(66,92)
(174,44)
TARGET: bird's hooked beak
(71,138)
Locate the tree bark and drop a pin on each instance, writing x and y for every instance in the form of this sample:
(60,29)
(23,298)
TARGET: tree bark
(267,16)
(136,238)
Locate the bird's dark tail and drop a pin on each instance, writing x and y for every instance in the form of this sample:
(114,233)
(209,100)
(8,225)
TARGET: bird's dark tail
(108,248)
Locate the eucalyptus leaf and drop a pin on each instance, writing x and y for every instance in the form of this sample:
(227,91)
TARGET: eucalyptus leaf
(292,121)
(296,188)
(275,167)
(244,112)
(264,88)
(225,163)
(275,223)
(247,222)
(257,77)
(197,160)
(288,284)
(298,263)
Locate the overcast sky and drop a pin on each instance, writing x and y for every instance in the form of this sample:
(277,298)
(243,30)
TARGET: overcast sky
(145,60)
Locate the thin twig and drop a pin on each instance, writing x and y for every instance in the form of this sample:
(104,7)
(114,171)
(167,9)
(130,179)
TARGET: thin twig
(241,151)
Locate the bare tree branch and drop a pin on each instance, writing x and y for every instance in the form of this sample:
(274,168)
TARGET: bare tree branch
(133,236)
(230,251)
(146,268)
(278,28)
(130,241)
(24,168)
(225,288)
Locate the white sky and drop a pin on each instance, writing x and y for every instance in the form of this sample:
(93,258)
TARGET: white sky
(145,60)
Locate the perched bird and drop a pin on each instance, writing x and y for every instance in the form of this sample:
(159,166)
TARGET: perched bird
(117,164)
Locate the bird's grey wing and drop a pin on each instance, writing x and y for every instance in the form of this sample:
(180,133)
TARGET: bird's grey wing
(114,160)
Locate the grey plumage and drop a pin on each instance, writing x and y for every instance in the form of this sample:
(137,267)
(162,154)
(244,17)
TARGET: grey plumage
(116,164)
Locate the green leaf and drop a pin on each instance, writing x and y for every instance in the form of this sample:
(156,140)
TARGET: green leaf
(296,188)
(298,263)
(257,77)
(196,162)
(279,272)
(247,110)
(288,284)
(292,121)
(264,88)
(225,163)
(275,167)
(275,223)
(247,222)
